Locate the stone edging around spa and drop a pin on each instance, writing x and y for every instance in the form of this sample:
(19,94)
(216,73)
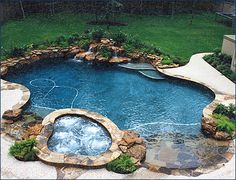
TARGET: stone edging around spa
(88,161)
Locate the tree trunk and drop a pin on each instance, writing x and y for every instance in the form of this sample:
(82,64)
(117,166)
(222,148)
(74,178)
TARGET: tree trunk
(22,9)
(192,12)
(172,9)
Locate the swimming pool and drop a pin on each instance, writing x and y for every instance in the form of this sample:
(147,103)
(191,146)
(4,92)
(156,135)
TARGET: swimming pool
(127,97)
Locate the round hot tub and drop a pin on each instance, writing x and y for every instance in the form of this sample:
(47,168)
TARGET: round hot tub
(79,137)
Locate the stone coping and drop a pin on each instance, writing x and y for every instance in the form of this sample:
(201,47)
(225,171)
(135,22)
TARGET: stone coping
(81,160)
(6,85)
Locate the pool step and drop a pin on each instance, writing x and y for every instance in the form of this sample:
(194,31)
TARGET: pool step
(137,66)
(152,74)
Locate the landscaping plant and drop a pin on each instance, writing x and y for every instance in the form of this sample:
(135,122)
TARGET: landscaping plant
(123,165)
(166,60)
(84,44)
(24,150)
(119,38)
(105,52)
(97,35)
(228,111)
(224,123)
(17,51)
(222,62)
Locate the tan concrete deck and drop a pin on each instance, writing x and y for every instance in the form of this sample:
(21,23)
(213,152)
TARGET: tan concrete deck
(200,71)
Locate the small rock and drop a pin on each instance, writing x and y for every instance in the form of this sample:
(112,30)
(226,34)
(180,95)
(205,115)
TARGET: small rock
(153,168)
(137,151)
(34,58)
(228,155)
(105,41)
(101,58)
(12,114)
(90,57)
(122,143)
(35,130)
(220,135)
(129,140)
(4,70)
(123,148)
(4,121)
(93,47)
(119,60)
(81,55)
(164,170)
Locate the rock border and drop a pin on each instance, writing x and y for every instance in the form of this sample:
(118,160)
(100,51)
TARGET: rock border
(46,155)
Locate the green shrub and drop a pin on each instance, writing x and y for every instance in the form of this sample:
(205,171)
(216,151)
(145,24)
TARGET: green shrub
(17,51)
(48,43)
(148,50)
(138,44)
(221,62)
(128,48)
(59,41)
(122,164)
(97,35)
(73,39)
(84,44)
(24,150)
(221,109)
(231,111)
(217,51)
(180,61)
(166,60)
(228,111)
(105,52)
(119,37)
(224,123)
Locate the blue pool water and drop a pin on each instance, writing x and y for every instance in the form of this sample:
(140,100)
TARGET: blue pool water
(78,135)
(127,97)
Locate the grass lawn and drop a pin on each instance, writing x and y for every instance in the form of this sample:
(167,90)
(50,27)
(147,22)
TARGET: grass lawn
(175,36)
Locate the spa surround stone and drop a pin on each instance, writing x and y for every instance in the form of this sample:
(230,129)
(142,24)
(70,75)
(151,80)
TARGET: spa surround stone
(112,153)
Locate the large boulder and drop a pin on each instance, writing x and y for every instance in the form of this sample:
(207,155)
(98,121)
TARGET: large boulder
(208,126)
(34,130)
(81,55)
(105,41)
(220,135)
(4,70)
(90,57)
(12,114)
(137,151)
(101,58)
(119,60)
(133,145)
